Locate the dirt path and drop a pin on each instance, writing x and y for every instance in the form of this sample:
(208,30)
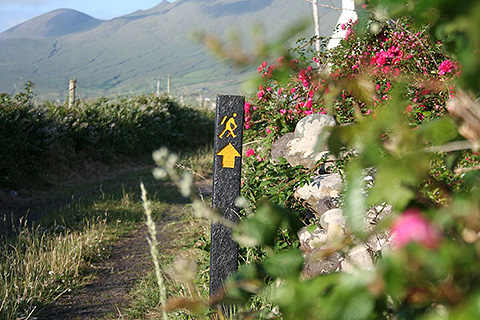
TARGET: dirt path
(107,294)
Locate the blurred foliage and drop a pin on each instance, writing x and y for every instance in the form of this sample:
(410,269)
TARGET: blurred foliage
(398,80)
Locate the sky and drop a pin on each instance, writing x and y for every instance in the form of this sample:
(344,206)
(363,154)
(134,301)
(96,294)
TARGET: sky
(13,12)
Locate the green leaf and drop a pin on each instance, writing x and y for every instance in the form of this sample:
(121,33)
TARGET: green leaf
(354,200)
(284,265)
(299,299)
(451,159)
(470,309)
(261,228)
(439,131)
(335,141)
(311,228)
(357,306)
(242,285)
(397,178)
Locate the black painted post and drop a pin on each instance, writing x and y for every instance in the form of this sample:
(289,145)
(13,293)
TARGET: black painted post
(226,186)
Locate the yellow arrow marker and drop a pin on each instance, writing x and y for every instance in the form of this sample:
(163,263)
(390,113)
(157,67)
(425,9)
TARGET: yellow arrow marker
(229,153)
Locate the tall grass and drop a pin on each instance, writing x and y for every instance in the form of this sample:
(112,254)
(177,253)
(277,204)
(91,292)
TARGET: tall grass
(36,267)
(153,243)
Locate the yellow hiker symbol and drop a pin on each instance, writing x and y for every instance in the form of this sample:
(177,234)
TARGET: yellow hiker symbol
(230,126)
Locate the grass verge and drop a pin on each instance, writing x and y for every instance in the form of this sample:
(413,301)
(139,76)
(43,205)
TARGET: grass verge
(184,258)
(46,261)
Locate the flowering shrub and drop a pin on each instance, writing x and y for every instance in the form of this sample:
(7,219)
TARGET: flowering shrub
(364,71)
(396,51)
(387,56)
(278,107)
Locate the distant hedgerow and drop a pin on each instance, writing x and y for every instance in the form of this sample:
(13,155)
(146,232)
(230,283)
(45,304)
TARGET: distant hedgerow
(40,138)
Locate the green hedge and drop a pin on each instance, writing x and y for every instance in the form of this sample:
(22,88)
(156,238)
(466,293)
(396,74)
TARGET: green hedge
(36,139)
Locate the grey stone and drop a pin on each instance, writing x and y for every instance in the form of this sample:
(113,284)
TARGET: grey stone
(311,240)
(312,124)
(321,192)
(358,258)
(302,149)
(319,206)
(328,166)
(380,242)
(324,185)
(279,147)
(332,216)
(317,263)
(375,214)
(298,159)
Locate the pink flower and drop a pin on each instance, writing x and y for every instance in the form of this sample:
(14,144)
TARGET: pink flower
(246,107)
(283,111)
(308,105)
(348,34)
(268,130)
(260,94)
(250,152)
(259,158)
(411,226)
(262,66)
(445,67)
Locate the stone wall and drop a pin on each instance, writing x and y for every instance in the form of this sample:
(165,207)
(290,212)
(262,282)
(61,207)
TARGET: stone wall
(327,244)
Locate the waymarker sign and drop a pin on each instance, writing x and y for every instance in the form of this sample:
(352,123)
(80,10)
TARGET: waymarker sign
(226,186)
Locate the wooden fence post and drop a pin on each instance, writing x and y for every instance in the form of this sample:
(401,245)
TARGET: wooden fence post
(169,83)
(71,92)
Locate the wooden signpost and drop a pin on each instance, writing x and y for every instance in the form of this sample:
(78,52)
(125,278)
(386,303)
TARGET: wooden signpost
(226,186)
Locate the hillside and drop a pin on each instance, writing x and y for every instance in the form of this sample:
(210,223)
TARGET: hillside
(129,53)
(61,22)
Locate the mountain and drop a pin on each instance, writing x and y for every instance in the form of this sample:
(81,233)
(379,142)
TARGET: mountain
(129,54)
(61,22)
